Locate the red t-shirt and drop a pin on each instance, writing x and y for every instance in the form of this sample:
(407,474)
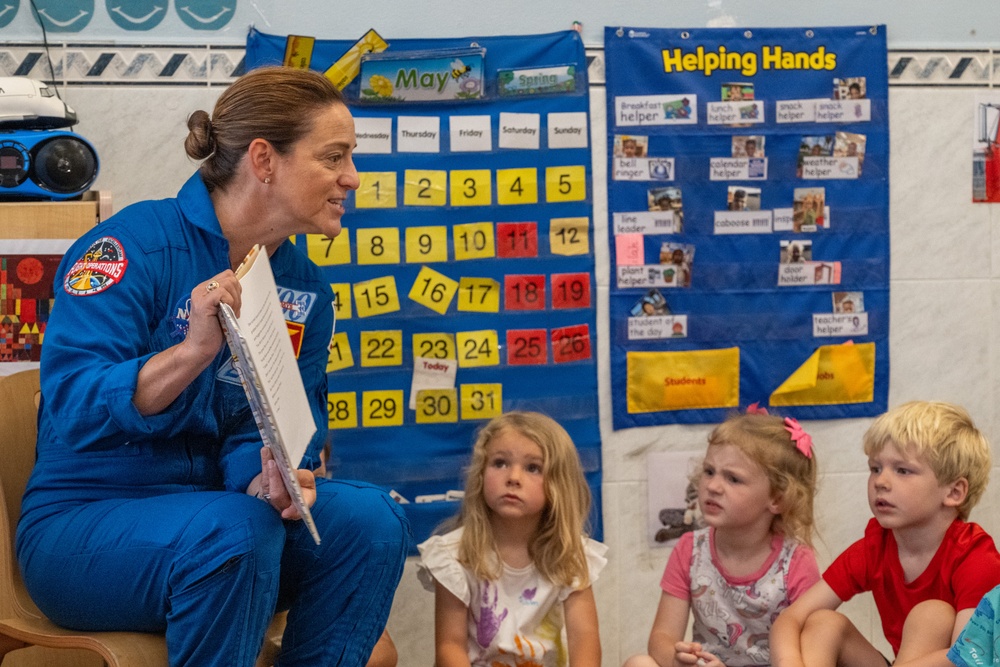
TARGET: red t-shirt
(965,567)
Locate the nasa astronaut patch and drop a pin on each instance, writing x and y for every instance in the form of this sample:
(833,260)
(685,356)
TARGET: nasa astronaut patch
(101,266)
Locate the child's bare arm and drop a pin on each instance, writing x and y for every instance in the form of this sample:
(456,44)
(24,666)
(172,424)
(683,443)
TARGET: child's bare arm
(582,637)
(786,633)
(669,627)
(450,629)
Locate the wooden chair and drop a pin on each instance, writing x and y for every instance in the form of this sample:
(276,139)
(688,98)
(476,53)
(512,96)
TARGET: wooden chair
(21,623)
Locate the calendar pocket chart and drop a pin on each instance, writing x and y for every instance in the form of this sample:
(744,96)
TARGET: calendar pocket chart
(748,205)
(464,274)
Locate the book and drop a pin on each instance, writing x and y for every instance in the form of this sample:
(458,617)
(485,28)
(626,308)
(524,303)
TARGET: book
(265,361)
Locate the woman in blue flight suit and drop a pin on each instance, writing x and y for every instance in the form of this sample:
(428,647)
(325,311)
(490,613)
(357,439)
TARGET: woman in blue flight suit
(152,505)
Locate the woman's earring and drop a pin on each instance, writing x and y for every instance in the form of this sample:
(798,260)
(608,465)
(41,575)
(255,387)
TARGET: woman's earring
(267,180)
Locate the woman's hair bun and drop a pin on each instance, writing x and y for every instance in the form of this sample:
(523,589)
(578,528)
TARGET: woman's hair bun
(200,142)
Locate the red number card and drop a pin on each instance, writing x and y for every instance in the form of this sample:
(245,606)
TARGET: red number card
(571,343)
(517,239)
(570,290)
(527,347)
(524,292)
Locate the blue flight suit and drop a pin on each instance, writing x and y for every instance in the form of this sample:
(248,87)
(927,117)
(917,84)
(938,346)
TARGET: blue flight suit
(142,523)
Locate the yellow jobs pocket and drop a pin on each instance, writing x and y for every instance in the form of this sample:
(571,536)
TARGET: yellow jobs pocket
(832,374)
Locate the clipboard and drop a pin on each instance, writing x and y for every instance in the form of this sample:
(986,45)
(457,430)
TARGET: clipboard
(250,378)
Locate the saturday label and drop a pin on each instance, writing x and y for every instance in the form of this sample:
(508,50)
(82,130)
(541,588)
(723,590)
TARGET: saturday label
(519,130)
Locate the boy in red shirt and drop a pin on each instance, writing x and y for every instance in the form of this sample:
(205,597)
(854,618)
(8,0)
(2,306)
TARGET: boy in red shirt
(926,566)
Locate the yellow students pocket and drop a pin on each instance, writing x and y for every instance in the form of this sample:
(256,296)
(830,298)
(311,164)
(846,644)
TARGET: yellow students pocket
(832,374)
(658,381)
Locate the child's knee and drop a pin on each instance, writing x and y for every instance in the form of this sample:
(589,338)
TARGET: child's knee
(640,661)
(930,624)
(825,623)
(931,613)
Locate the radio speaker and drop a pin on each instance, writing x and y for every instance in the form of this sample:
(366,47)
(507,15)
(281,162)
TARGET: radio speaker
(45,164)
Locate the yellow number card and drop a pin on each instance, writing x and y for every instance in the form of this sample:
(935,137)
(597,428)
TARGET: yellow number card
(377,190)
(479,295)
(474,240)
(832,374)
(569,236)
(434,290)
(381,348)
(434,345)
(341,300)
(471,187)
(437,406)
(382,408)
(423,187)
(426,244)
(340,353)
(324,251)
(565,183)
(377,296)
(481,401)
(517,186)
(379,245)
(343,409)
(478,348)
(658,381)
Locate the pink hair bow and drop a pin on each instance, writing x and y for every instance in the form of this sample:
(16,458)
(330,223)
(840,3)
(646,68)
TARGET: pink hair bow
(803,441)
(755,409)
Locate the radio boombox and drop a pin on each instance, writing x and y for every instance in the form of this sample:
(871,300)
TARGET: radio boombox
(45,164)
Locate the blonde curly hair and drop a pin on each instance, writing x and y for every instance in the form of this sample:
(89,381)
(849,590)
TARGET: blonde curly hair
(791,474)
(557,547)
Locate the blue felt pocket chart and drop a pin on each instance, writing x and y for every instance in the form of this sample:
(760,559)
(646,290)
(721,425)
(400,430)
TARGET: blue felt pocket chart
(748,197)
(464,274)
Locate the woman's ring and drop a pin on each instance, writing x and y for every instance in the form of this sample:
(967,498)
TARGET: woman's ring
(212,285)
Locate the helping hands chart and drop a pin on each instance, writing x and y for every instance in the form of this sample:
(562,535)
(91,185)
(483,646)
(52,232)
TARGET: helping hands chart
(748,206)
(464,274)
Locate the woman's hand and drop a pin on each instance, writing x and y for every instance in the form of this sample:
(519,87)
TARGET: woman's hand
(167,374)
(204,331)
(271,487)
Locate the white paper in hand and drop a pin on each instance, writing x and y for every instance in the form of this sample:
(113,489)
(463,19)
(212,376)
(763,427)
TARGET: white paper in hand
(264,358)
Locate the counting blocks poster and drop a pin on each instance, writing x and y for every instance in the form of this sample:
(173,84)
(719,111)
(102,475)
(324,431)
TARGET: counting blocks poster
(748,206)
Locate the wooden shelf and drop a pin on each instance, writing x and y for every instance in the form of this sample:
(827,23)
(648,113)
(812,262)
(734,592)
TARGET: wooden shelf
(53,219)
